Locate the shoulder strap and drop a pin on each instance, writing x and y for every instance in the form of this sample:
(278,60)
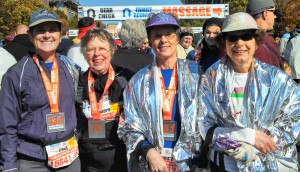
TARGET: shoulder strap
(204,157)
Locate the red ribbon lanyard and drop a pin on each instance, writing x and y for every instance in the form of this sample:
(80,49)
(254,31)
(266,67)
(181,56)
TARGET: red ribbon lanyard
(52,88)
(168,95)
(96,110)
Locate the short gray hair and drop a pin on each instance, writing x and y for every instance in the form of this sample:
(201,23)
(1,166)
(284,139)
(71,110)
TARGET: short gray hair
(101,34)
(133,33)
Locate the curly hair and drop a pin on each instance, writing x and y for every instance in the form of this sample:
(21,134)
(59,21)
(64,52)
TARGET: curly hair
(132,33)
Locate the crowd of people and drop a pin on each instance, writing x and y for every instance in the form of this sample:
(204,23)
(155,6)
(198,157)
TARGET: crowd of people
(150,101)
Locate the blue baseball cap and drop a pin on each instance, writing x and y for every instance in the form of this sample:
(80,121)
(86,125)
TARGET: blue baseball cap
(42,16)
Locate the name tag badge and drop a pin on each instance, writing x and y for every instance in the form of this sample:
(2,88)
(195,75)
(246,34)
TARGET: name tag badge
(87,109)
(106,104)
(170,128)
(55,122)
(166,152)
(63,153)
(96,129)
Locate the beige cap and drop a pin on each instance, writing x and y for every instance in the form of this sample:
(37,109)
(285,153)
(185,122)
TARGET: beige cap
(239,21)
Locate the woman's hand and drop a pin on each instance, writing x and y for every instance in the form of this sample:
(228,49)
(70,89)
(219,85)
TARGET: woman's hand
(264,143)
(156,162)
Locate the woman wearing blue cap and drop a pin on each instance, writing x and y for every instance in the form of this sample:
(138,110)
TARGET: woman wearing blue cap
(260,105)
(161,122)
(37,108)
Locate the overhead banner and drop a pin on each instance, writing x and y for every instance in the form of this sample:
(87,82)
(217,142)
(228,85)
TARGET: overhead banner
(193,11)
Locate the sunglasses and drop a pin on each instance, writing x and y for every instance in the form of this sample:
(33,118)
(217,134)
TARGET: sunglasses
(244,37)
(275,12)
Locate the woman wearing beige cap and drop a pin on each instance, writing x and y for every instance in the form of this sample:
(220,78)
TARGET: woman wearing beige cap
(259,126)
(37,107)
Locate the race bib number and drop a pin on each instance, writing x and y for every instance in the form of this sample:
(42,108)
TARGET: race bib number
(170,130)
(55,122)
(172,166)
(62,154)
(96,129)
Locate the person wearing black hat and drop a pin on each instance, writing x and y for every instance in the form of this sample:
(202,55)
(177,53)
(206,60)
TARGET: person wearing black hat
(264,13)
(37,107)
(208,53)
(186,39)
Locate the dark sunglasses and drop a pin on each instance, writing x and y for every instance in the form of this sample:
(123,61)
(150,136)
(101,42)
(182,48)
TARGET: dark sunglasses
(275,12)
(244,37)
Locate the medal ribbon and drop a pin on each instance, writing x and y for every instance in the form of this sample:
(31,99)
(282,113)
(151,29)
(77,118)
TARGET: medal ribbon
(52,88)
(168,95)
(96,110)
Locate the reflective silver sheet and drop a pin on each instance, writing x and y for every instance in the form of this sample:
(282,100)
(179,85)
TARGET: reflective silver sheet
(271,103)
(143,113)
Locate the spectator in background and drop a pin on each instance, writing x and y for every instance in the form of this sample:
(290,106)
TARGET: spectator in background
(185,42)
(208,53)
(264,13)
(117,43)
(6,61)
(84,24)
(292,54)
(284,39)
(20,45)
(65,42)
(146,48)
(129,59)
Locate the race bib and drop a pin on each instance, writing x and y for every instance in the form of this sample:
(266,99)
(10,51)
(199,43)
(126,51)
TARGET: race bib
(172,166)
(55,122)
(62,154)
(170,128)
(96,129)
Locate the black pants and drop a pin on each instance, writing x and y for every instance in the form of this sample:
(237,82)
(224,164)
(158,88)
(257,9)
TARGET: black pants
(215,168)
(113,160)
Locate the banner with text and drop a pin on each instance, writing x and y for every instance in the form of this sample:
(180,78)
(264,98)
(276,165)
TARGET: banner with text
(192,11)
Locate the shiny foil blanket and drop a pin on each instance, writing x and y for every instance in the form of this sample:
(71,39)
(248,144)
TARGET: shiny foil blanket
(271,104)
(143,113)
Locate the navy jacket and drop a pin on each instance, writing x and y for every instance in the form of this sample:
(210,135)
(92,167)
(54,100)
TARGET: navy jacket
(23,107)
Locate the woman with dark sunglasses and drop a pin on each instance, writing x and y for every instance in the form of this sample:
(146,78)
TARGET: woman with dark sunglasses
(258,124)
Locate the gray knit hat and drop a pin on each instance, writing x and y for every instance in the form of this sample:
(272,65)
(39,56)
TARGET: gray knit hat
(255,7)
(239,21)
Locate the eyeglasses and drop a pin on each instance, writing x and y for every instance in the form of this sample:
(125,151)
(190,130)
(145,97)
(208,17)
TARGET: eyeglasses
(91,51)
(168,36)
(244,37)
(275,12)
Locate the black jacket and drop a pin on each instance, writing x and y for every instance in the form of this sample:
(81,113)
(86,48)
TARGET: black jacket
(64,46)
(20,46)
(115,92)
(128,61)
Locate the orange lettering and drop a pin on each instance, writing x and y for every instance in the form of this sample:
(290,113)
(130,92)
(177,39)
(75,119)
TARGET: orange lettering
(195,11)
(174,10)
(202,11)
(208,11)
(166,9)
(188,11)
(181,11)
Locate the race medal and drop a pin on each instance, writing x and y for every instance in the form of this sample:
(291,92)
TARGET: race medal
(170,130)
(96,129)
(63,153)
(55,122)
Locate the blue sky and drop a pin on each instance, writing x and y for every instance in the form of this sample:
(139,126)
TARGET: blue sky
(128,2)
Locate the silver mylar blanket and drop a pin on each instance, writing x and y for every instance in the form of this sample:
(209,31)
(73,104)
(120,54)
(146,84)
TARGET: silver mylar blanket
(271,103)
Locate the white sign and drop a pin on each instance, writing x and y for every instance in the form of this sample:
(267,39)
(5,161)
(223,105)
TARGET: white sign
(191,11)
(73,32)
